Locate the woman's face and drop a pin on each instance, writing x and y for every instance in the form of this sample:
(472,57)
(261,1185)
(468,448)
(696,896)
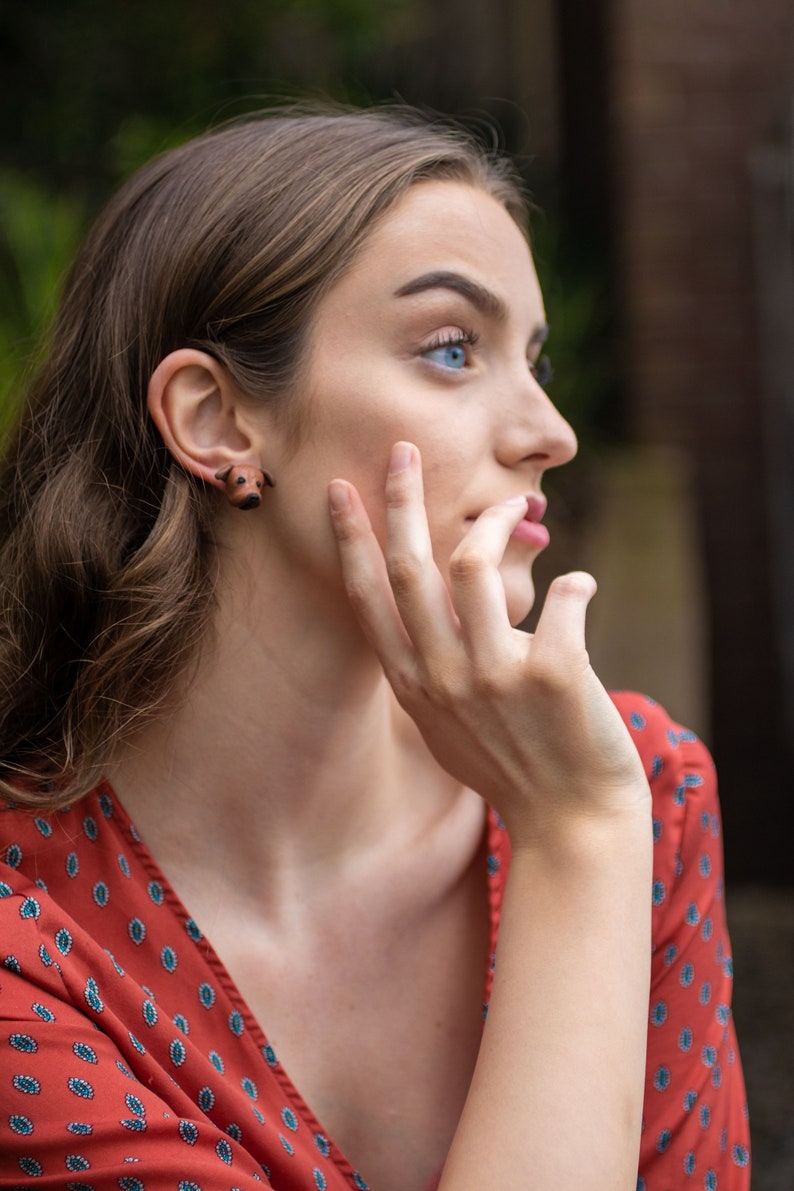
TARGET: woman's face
(432,336)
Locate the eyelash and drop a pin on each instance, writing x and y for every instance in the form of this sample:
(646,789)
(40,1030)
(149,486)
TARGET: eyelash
(453,339)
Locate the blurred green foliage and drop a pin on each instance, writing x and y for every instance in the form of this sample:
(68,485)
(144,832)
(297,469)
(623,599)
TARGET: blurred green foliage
(78,73)
(584,328)
(38,235)
(90,92)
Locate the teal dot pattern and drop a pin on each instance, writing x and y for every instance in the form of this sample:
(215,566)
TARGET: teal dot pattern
(128,1059)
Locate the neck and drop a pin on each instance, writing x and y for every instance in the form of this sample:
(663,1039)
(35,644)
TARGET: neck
(285,750)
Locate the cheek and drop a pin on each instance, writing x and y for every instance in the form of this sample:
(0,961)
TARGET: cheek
(452,494)
(450,462)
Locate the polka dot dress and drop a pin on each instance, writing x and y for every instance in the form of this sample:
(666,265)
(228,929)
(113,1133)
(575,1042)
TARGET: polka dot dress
(129,1060)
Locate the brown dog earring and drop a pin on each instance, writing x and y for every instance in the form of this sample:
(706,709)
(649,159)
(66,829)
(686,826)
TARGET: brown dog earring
(244,484)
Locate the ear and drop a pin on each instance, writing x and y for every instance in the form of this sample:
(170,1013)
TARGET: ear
(197,410)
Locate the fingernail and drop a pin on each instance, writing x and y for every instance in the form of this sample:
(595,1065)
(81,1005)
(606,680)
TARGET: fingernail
(400,457)
(514,500)
(338,496)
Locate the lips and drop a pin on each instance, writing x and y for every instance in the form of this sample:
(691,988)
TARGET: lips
(529,530)
(536,508)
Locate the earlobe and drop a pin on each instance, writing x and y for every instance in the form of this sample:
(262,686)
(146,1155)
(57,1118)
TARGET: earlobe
(244,485)
(195,406)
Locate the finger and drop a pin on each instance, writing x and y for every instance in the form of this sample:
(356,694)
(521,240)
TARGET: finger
(559,638)
(477,589)
(365,578)
(419,589)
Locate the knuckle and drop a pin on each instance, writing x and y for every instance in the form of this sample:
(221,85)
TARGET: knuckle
(423,688)
(403,682)
(499,675)
(466,564)
(444,686)
(345,529)
(492,681)
(359,592)
(437,698)
(405,571)
(398,496)
(436,685)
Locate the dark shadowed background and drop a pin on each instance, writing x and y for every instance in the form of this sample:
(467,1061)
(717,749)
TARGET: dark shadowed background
(658,142)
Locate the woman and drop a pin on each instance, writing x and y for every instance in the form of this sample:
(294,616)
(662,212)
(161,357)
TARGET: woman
(269,519)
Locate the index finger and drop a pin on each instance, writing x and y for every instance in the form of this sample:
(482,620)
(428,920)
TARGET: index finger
(419,589)
(364,574)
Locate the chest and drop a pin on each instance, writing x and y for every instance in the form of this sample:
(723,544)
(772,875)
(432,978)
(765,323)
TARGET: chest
(378,1026)
(370,1003)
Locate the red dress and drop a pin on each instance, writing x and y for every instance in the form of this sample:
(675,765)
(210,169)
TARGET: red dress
(129,1060)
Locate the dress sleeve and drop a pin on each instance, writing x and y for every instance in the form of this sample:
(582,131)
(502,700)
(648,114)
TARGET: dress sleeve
(695,1128)
(72,1113)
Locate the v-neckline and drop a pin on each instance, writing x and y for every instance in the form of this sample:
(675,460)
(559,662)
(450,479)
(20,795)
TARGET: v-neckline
(497,858)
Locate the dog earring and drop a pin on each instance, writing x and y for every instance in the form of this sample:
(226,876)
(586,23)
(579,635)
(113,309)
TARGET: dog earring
(244,484)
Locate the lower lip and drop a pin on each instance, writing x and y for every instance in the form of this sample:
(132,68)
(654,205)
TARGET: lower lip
(532,533)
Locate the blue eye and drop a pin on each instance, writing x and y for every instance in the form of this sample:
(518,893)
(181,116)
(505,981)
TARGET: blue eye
(451,355)
(451,352)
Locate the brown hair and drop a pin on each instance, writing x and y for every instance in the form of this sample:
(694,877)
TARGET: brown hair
(225,244)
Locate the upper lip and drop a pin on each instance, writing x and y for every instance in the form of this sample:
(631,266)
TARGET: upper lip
(536,507)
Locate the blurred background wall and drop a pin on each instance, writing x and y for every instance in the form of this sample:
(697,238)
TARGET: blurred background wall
(658,141)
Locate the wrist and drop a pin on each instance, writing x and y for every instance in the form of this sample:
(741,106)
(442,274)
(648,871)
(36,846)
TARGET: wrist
(587,835)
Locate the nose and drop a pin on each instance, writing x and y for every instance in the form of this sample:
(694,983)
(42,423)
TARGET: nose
(533,429)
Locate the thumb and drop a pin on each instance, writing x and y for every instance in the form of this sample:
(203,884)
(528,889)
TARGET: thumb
(561,628)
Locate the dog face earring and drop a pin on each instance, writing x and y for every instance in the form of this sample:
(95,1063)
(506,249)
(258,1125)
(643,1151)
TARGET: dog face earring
(244,484)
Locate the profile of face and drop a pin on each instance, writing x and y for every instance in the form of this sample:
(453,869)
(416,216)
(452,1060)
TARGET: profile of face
(432,336)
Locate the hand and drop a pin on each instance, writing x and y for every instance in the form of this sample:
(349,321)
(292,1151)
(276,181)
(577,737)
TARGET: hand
(522,719)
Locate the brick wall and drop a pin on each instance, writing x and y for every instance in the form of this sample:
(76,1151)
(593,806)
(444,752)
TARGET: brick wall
(696,87)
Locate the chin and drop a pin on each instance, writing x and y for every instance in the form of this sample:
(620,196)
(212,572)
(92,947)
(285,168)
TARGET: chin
(519,594)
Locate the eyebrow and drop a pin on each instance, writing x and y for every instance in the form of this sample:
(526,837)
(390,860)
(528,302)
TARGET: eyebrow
(480,297)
